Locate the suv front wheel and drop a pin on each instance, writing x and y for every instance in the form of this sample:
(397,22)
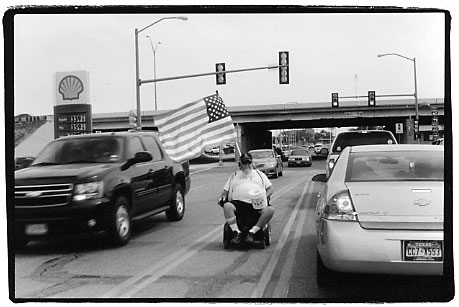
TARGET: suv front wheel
(120,222)
(177,208)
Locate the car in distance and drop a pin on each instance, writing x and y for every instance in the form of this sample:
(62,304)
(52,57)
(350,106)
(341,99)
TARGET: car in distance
(381,212)
(355,138)
(267,161)
(300,157)
(318,147)
(98,182)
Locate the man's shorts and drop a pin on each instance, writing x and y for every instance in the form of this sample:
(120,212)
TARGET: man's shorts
(245,208)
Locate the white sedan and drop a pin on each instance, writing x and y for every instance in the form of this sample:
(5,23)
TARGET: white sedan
(381,211)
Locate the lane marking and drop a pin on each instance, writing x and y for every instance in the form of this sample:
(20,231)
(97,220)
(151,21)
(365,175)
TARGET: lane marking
(140,281)
(161,267)
(268,272)
(282,287)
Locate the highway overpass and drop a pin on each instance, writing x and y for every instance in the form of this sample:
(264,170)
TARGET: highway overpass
(254,122)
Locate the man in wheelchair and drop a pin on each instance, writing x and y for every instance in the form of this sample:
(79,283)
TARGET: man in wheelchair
(236,199)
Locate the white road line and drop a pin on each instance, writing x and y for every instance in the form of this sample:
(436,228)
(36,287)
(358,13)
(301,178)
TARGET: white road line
(200,170)
(138,282)
(281,289)
(267,274)
(132,285)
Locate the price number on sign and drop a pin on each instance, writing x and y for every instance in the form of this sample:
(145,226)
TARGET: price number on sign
(78,127)
(78,118)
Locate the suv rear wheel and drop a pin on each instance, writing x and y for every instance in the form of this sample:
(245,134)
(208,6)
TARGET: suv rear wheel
(177,208)
(120,222)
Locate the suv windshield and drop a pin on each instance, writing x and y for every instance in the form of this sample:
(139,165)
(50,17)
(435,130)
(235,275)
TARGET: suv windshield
(80,150)
(358,138)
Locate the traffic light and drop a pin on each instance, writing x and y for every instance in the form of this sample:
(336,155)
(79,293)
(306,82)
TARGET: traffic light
(284,69)
(371,98)
(132,119)
(221,78)
(335,101)
(416,128)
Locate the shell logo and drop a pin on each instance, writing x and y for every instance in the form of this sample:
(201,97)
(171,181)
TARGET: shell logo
(70,87)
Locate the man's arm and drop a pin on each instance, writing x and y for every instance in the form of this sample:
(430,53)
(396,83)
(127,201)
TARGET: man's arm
(224,194)
(269,192)
(223,198)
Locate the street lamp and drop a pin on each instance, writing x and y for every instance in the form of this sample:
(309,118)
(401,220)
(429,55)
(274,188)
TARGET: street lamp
(154,66)
(138,82)
(415,82)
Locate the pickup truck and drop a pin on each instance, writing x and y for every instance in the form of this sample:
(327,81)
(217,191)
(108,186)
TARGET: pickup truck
(98,182)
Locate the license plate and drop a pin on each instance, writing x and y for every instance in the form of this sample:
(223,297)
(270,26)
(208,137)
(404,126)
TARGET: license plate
(423,250)
(36,229)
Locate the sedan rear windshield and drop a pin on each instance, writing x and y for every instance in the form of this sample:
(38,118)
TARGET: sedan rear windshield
(299,152)
(395,166)
(81,150)
(262,154)
(357,138)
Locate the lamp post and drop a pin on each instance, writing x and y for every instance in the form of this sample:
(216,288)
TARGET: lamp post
(154,67)
(415,82)
(138,82)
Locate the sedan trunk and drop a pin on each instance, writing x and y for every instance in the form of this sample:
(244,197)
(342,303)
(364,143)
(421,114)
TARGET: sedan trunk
(408,205)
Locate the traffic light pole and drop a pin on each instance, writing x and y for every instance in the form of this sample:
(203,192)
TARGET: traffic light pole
(209,74)
(366,96)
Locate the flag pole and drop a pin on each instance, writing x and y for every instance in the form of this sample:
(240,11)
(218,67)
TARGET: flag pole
(238,149)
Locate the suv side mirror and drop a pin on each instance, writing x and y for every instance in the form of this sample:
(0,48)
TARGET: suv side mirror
(139,157)
(142,156)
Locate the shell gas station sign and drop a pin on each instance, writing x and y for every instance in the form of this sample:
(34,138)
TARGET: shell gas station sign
(72,87)
(72,111)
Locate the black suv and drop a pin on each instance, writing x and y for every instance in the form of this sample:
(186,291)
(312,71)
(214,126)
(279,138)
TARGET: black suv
(355,138)
(98,182)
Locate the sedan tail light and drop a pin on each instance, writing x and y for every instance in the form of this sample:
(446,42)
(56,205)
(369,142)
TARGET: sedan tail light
(340,207)
(331,164)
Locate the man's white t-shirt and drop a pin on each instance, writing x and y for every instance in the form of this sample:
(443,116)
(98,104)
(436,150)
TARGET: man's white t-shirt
(239,185)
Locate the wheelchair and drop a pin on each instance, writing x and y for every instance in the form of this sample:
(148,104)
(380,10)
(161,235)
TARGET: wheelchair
(262,237)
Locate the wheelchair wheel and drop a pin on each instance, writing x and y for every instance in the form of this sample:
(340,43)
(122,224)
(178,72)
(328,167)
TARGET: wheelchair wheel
(267,232)
(226,236)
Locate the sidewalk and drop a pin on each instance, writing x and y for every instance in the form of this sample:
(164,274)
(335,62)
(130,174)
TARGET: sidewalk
(204,166)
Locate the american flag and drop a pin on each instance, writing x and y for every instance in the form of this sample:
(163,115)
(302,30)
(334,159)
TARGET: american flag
(185,132)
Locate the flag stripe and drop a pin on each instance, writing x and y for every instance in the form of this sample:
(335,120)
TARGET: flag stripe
(199,137)
(197,111)
(196,151)
(182,131)
(174,115)
(199,141)
(192,134)
(185,132)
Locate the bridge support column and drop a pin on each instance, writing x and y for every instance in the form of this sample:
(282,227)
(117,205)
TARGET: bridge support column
(408,132)
(253,138)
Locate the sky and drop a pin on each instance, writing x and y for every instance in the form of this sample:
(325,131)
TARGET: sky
(328,53)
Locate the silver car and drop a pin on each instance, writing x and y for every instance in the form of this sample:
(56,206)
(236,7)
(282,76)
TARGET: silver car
(267,161)
(381,211)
